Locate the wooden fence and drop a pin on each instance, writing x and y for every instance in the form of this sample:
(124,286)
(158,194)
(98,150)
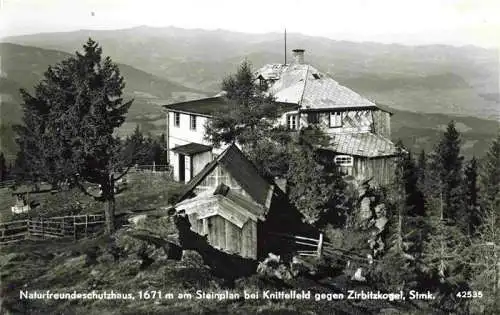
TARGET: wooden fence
(321,247)
(317,244)
(75,227)
(154,168)
(6,183)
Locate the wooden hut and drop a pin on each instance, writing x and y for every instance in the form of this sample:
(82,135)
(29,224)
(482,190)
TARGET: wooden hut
(235,207)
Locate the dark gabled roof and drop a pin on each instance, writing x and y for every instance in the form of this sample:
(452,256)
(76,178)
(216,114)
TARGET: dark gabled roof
(204,106)
(242,170)
(192,148)
(209,106)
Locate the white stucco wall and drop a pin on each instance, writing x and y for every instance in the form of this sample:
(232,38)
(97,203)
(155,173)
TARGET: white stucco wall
(183,134)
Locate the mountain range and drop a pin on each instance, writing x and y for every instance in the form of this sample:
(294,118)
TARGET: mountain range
(431,79)
(425,86)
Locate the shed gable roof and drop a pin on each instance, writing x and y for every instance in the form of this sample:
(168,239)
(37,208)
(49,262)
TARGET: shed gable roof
(242,170)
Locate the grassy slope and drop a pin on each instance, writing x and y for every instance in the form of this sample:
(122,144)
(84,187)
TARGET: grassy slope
(68,267)
(143,192)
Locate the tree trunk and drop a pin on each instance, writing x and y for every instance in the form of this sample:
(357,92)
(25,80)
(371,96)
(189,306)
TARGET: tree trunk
(110,208)
(110,215)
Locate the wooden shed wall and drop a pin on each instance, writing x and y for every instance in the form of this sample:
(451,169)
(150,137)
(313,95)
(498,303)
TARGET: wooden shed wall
(381,169)
(215,178)
(226,236)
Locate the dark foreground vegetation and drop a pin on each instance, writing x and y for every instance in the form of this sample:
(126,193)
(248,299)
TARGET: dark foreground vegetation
(126,263)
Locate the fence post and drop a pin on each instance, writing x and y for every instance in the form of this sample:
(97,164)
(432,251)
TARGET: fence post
(86,225)
(74,228)
(41,221)
(320,245)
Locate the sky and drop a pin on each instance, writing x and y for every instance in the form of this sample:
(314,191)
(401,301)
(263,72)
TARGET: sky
(411,22)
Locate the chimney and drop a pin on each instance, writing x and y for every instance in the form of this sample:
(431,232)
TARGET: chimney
(298,56)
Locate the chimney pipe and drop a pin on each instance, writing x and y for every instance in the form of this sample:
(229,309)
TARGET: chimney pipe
(298,56)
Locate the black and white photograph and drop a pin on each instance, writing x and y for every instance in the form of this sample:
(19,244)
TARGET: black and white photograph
(249,157)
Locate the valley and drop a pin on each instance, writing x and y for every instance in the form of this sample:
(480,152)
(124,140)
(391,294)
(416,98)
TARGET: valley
(424,86)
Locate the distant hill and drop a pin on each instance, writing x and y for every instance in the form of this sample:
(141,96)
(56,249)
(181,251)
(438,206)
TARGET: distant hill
(23,67)
(421,131)
(433,79)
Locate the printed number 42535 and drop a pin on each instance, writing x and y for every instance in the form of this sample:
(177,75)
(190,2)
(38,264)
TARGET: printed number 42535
(469,294)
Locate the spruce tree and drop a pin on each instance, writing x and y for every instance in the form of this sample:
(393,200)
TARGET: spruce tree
(3,167)
(472,196)
(406,228)
(136,145)
(447,163)
(445,211)
(68,125)
(483,256)
(489,178)
(249,112)
(316,186)
(422,166)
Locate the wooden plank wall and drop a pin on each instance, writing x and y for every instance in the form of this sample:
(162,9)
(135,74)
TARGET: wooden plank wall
(381,169)
(226,236)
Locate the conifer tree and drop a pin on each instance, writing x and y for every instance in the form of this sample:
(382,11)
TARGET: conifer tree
(316,186)
(484,258)
(446,162)
(242,119)
(489,178)
(406,226)
(68,125)
(136,145)
(422,166)
(3,167)
(445,211)
(484,253)
(472,196)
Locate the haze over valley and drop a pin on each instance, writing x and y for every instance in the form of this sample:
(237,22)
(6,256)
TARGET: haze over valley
(425,86)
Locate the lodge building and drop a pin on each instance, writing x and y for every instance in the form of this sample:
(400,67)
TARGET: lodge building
(359,130)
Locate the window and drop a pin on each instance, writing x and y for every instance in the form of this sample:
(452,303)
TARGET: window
(177,119)
(335,120)
(313,118)
(192,122)
(262,83)
(291,122)
(343,160)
